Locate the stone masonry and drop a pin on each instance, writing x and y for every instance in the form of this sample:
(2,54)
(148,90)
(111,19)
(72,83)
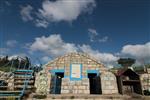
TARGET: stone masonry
(109,83)
(41,83)
(145,81)
(75,87)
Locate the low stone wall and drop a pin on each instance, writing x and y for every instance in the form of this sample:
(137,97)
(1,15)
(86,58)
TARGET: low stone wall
(109,83)
(75,87)
(9,78)
(11,83)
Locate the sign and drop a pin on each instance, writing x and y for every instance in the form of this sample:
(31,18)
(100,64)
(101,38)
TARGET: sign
(76,71)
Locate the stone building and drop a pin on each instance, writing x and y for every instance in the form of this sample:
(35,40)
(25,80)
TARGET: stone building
(76,73)
(79,73)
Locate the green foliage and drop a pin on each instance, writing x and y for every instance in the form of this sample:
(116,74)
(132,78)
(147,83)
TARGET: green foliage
(4,60)
(148,65)
(138,68)
(126,62)
(7,69)
(40,96)
(141,68)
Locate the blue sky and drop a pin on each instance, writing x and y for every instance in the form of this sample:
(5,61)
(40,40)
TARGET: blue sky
(46,29)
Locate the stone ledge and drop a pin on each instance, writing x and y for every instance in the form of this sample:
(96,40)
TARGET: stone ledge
(93,97)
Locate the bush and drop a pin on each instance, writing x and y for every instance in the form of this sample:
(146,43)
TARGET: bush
(146,92)
(7,69)
(40,96)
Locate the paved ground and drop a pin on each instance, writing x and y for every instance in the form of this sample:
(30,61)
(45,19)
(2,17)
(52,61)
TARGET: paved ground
(93,97)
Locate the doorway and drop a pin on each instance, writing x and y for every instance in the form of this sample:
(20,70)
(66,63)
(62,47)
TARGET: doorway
(56,80)
(95,84)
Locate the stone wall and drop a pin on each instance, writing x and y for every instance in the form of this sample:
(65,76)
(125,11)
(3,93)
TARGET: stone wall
(145,81)
(64,62)
(9,78)
(75,87)
(109,83)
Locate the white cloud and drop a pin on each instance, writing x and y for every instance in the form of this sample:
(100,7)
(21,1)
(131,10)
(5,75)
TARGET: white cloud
(45,59)
(4,51)
(26,13)
(65,10)
(56,11)
(103,39)
(52,45)
(93,31)
(106,58)
(138,51)
(62,10)
(41,23)
(92,34)
(7,3)
(95,37)
(11,43)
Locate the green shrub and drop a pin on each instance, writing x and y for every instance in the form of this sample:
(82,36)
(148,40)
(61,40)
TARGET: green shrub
(7,69)
(40,96)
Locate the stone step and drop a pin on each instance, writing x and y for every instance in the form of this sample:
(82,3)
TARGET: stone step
(24,78)
(24,70)
(9,97)
(22,81)
(10,91)
(22,86)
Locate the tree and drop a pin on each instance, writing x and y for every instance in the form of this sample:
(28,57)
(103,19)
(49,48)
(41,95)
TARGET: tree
(27,61)
(126,62)
(4,61)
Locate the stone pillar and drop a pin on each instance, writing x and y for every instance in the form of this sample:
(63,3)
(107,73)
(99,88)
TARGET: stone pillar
(109,83)
(41,82)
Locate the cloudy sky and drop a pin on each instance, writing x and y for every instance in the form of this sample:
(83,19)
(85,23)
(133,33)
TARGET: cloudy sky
(105,29)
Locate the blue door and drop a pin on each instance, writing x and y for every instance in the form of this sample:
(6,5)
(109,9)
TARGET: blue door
(55,87)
